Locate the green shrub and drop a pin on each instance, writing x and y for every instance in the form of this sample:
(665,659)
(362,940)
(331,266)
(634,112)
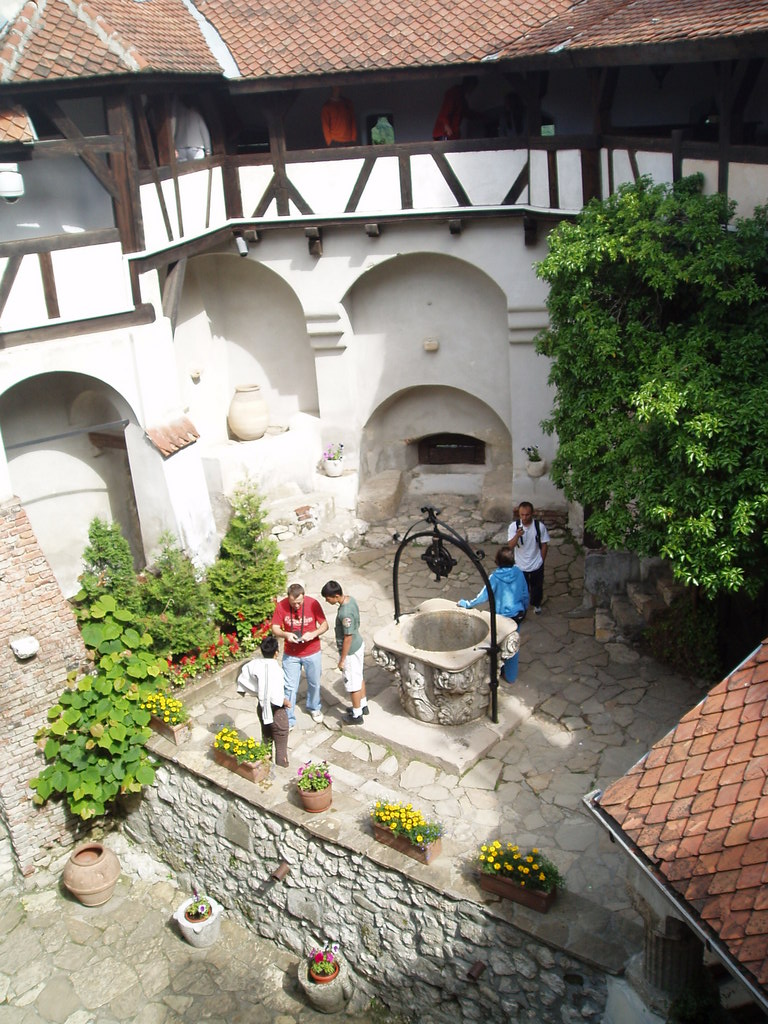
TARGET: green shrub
(248,574)
(178,611)
(96,731)
(698,1003)
(685,637)
(108,566)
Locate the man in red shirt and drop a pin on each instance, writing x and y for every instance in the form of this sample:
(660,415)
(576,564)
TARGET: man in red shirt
(454,109)
(300,622)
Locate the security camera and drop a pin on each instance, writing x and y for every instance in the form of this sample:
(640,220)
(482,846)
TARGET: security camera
(11,183)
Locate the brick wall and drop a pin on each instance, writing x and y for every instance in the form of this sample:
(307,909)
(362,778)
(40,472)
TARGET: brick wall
(31,603)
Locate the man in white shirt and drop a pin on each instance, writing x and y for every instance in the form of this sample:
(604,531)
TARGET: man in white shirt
(530,539)
(263,677)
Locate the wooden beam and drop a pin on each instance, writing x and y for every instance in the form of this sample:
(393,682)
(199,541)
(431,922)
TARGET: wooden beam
(70,131)
(359,187)
(590,175)
(144,314)
(453,183)
(53,243)
(49,285)
(148,149)
(9,276)
(406,184)
(518,185)
(174,283)
(125,169)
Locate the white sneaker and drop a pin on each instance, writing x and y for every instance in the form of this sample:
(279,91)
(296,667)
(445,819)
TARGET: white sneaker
(537,609)
(317,716)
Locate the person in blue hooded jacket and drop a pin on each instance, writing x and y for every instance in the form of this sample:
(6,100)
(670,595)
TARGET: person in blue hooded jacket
(508,585)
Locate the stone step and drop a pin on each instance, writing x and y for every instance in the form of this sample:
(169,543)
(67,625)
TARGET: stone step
(669,589)
(629,621)
(648,603)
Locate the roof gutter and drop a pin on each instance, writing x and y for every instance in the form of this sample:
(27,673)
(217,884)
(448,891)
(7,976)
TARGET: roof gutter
(682,907)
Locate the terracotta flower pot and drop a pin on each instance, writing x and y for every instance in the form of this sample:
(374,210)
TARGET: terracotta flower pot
(253,771)
(316,800)
(177,734)
(510,890)
(404,845)
(91,873)
(323,979)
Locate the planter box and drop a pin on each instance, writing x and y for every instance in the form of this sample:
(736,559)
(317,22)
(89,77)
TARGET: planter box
(403,845)
(253,771)
(509,890)
(177,734)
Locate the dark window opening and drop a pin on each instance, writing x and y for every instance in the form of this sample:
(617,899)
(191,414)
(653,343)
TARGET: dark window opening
(451,450)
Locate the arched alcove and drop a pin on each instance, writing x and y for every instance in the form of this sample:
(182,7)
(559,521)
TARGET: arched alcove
(392,436)
(240,323)
(64,439)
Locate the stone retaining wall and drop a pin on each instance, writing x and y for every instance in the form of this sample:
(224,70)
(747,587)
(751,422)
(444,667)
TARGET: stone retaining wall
(407,943)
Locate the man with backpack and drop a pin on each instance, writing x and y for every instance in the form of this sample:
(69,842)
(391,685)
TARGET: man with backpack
(530,539)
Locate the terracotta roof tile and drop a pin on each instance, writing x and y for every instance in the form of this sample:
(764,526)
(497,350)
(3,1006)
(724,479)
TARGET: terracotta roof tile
(172,437)
(718,862)
(65,39)
(15,126)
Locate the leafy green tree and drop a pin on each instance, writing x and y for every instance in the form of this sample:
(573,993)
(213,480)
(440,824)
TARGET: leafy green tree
(248,574)
(108,566)
(177,603)
(658,332)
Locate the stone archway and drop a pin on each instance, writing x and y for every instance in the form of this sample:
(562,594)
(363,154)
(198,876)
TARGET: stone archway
(64,439)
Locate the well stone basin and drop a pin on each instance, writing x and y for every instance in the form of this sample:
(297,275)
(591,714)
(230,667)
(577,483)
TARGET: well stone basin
(439,655)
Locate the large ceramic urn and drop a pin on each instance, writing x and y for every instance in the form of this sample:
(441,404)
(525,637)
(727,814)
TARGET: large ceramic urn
(248,416)
(91,873)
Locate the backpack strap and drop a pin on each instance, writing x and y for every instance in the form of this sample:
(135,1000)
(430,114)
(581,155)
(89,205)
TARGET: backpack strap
(536,523)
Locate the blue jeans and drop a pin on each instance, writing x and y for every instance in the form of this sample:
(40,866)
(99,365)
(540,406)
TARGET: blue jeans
(292,667)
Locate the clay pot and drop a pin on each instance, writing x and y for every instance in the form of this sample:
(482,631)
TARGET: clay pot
(316,800)
(248,415)
(535,469)
(323,979)
(91,873)
(333,467)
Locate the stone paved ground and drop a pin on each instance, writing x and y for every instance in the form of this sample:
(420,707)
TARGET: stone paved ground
(580,714)
(62,963)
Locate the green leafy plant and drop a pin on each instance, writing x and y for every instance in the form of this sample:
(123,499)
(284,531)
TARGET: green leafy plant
(245,749)
(530,870)
(177,603)
(532,452)
(698,1003)
(658,359)
(324,961)
(314,776)
(685,637)
(406,820)
(200,909)
(248,574)
(96,731)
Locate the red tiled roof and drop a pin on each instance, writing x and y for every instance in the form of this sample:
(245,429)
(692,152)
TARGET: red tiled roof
(597,24)
(53,39)
(15,126)
(697,807)
(172,437)
(292,37)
